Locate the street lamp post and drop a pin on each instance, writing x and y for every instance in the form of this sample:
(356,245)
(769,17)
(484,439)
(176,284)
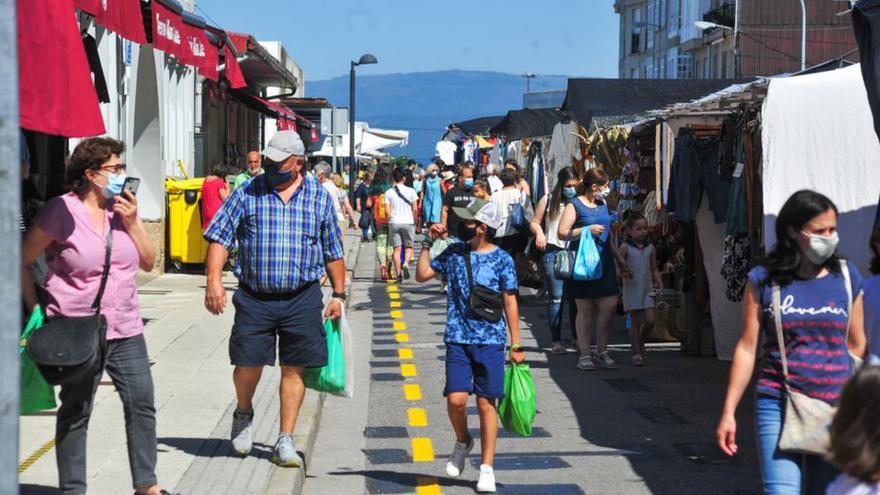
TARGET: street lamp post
(366,59)
(803,35)
(528,76)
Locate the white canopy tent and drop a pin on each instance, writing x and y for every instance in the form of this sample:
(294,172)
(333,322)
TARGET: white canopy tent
(368,142)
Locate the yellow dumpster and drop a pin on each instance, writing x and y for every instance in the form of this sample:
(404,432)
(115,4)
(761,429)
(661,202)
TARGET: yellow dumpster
(185,242)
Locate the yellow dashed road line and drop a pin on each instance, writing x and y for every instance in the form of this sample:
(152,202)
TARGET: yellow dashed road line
(401,337)
(412,391)
(423,450)
(397,314)
(399,325)
(405,353)
(395,304)
(408,370)
(427,485)
(417,417)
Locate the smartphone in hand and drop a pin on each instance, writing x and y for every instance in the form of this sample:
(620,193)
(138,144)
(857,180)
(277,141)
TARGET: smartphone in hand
(131,185)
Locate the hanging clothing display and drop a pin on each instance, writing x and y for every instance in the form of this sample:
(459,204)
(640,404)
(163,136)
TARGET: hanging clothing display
(446,151)
(564,147)
(695,170)
(470,148)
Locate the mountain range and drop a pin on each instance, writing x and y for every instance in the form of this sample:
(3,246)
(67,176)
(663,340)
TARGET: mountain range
(424,103)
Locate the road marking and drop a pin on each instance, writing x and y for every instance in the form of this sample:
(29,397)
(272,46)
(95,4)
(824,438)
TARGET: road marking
(408,370)
(412,391)
(397,314)
(422,449)
(392,288)
(394,295)
(395,304)
(405,353)
(417,416)
(399,325)
(36,456)
(401,337)
(427,485)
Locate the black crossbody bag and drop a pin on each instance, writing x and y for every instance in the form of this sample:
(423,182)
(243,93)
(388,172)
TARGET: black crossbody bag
(68,349)
(484,302)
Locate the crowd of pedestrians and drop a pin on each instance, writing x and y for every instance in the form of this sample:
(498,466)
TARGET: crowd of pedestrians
(810,319)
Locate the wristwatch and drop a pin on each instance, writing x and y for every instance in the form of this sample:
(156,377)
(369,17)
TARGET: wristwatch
(340,295)
(427,243)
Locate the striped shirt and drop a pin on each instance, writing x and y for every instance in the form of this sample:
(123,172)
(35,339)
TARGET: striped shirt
(281,247)
(814,320)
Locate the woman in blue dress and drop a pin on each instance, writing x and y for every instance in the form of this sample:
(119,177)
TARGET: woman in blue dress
(432,199)
(589,211)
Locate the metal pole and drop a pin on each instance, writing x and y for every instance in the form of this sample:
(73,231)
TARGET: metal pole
(10,244)
(333,138)
(803,35)
(352,162)
(736,39)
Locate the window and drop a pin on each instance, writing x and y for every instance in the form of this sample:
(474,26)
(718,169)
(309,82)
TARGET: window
(636,38)
(671,63)
(651,24)
(685,69)
(673,17)
(633,73)
(649,71)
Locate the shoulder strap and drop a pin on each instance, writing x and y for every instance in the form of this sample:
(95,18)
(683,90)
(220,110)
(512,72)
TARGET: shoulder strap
(106,273)
(401,196)
(470,274)
(844,269)
(777,316)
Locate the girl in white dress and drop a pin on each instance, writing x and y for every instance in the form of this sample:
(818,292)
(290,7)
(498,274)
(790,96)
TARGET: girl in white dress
(641,279)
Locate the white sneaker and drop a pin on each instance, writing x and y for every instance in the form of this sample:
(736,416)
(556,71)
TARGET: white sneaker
(486,484)
(458,458)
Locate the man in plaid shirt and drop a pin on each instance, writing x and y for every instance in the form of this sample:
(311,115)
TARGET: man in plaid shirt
(288,237)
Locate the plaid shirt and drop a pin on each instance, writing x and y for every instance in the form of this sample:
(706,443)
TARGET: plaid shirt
(281,247)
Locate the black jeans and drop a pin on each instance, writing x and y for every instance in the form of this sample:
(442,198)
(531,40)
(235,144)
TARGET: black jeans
(695,169)
(129,368)
(866,24)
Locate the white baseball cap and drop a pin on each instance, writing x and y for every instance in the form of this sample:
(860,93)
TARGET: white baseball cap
(283,145)
(481,211)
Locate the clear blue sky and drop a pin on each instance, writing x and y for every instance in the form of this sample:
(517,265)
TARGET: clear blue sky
(552,37)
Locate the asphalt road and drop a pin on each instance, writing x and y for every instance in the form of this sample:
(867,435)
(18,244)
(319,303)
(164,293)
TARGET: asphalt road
(629,431)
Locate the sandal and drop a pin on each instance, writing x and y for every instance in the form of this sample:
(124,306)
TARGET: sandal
(586,363)
(558,348)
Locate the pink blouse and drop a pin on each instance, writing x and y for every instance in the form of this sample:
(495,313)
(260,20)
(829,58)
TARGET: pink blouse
(76,260)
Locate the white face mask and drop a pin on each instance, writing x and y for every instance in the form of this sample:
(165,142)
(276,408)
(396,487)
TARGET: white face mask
(821,248)
(603,194)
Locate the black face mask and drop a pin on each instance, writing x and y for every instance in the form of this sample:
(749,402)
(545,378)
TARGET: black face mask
(466,233)
(275,177)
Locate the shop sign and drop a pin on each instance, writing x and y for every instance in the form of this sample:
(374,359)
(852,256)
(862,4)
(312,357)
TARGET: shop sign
(167,31)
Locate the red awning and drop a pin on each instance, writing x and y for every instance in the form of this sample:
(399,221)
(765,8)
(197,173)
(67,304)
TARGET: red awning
(167,30)
(233,70)
(196,50)
(55,88)
(212,59)
(123,17)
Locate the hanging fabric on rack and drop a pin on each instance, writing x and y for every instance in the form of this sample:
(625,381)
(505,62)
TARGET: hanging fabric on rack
(564,146)
(736,258)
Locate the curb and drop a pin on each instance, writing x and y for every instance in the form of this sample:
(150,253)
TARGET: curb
(285,481)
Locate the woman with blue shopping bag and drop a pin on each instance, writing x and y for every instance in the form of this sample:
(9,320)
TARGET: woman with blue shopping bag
(594,282)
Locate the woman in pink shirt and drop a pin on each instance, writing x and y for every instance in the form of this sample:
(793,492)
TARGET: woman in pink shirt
(72,231)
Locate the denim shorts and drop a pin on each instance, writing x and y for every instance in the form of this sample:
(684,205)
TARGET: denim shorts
(292,321)
(475,369)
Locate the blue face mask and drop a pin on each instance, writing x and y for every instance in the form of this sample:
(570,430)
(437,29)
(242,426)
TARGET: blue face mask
(114,185)
(569,192)
(468,183)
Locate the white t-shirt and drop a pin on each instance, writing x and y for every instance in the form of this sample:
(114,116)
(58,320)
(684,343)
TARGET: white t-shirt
(331,188)
(401,213)
(446,151)
(505,199)
(495,184)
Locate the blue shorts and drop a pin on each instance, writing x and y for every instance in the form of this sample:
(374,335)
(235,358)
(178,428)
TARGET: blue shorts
(295,320)
(475,369)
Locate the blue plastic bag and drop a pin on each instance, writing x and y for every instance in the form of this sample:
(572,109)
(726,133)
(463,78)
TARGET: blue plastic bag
(588,263)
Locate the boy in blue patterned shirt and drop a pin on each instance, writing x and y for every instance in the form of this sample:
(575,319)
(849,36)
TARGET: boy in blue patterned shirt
(475,344)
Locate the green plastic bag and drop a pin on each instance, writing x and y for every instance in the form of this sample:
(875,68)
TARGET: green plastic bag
(36,394)
(331,377)
(518,409)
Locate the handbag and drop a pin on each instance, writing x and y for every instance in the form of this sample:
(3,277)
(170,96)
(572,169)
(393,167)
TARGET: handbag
(484,302)
(807,421)
(563,262)
(587,263)
(365,219)
(68,349)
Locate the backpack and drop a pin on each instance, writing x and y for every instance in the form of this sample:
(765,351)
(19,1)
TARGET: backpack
(380,210)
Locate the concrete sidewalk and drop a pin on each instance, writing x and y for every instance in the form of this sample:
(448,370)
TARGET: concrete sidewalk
(195,398)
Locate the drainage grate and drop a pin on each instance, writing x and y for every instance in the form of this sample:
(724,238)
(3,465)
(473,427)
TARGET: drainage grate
(387,377)
(384,364)
(387,456)
(385,432)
